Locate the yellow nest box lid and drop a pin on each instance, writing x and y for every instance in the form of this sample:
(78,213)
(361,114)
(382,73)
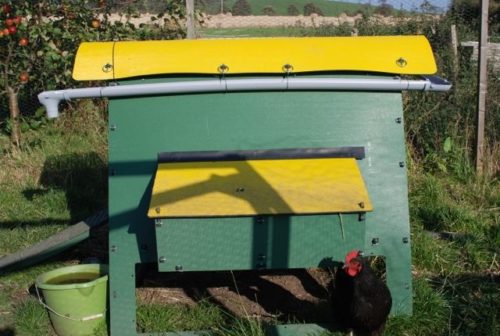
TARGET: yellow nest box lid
(406,55)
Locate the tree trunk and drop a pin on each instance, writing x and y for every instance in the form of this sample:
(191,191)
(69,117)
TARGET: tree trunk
(15,130)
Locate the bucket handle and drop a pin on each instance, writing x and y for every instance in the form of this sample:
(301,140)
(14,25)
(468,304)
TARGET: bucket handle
(83,319)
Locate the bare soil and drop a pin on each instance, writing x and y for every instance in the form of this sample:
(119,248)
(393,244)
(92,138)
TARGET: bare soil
(271,295)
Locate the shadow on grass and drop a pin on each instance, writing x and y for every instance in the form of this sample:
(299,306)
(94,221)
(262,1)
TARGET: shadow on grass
(83,178)
(474,301)
(7,332)
(273,296)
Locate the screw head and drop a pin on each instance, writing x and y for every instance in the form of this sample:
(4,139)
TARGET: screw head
(178,267)
(401,62)
(162,259)
(401,164)
(375,241)
(406,240)
(223,69)
(287,68)
(107,67)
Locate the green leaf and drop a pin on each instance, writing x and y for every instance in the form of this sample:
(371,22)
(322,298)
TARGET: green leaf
(24,126)
(35,124)
(40,112)
(442,167)
(447,145)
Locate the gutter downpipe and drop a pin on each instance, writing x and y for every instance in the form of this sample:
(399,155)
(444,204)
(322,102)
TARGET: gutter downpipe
(51,99)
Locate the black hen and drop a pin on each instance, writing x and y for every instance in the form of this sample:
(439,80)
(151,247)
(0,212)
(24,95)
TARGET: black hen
(361,300)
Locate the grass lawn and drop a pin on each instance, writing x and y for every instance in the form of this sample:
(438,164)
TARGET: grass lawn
(455,227)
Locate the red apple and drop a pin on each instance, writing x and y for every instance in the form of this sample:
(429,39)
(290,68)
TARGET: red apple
(95,23)
(6,8)
(24,77)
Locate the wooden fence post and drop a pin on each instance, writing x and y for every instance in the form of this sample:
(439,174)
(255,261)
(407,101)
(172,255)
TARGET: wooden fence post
(191,33)
(454,48)
(482,87)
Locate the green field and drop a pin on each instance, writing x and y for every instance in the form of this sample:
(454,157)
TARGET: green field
(328,8)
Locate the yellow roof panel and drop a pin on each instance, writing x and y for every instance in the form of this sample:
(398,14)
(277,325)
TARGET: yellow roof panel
(258,187)
(410,55)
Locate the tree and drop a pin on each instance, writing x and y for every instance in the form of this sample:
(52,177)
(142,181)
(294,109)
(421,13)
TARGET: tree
(427,7)
(384,8)
(39,39)
(292,10)
(15,63)
(269,11)
(311,8)
(241,7)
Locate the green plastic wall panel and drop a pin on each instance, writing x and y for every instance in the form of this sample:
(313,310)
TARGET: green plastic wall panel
(252,243)
(142,127)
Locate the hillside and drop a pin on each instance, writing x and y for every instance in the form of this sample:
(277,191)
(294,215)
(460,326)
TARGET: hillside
(328,8)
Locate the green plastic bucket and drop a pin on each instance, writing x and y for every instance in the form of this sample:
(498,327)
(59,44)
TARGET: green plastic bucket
(76,298)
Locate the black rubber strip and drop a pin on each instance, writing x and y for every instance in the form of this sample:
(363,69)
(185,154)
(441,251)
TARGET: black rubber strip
(263,154)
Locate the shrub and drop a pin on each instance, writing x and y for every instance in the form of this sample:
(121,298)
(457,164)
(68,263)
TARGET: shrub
(269,11)
(469,12)
(311,8)
(292,10)
(384,9)
(241,7)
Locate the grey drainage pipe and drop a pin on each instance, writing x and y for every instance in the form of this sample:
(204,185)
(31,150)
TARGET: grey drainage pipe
(51,99)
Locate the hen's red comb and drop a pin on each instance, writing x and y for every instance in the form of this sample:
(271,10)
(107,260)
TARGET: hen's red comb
(351,255)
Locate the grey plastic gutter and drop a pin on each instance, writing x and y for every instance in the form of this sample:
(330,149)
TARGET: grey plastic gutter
(51,99)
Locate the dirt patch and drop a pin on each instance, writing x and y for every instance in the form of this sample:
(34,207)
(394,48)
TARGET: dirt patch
(291,295)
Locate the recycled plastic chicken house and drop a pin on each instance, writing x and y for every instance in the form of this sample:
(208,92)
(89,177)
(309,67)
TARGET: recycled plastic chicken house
(247,154)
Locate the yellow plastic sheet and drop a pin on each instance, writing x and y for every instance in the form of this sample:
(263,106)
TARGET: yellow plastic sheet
(410,55)
(258,187)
